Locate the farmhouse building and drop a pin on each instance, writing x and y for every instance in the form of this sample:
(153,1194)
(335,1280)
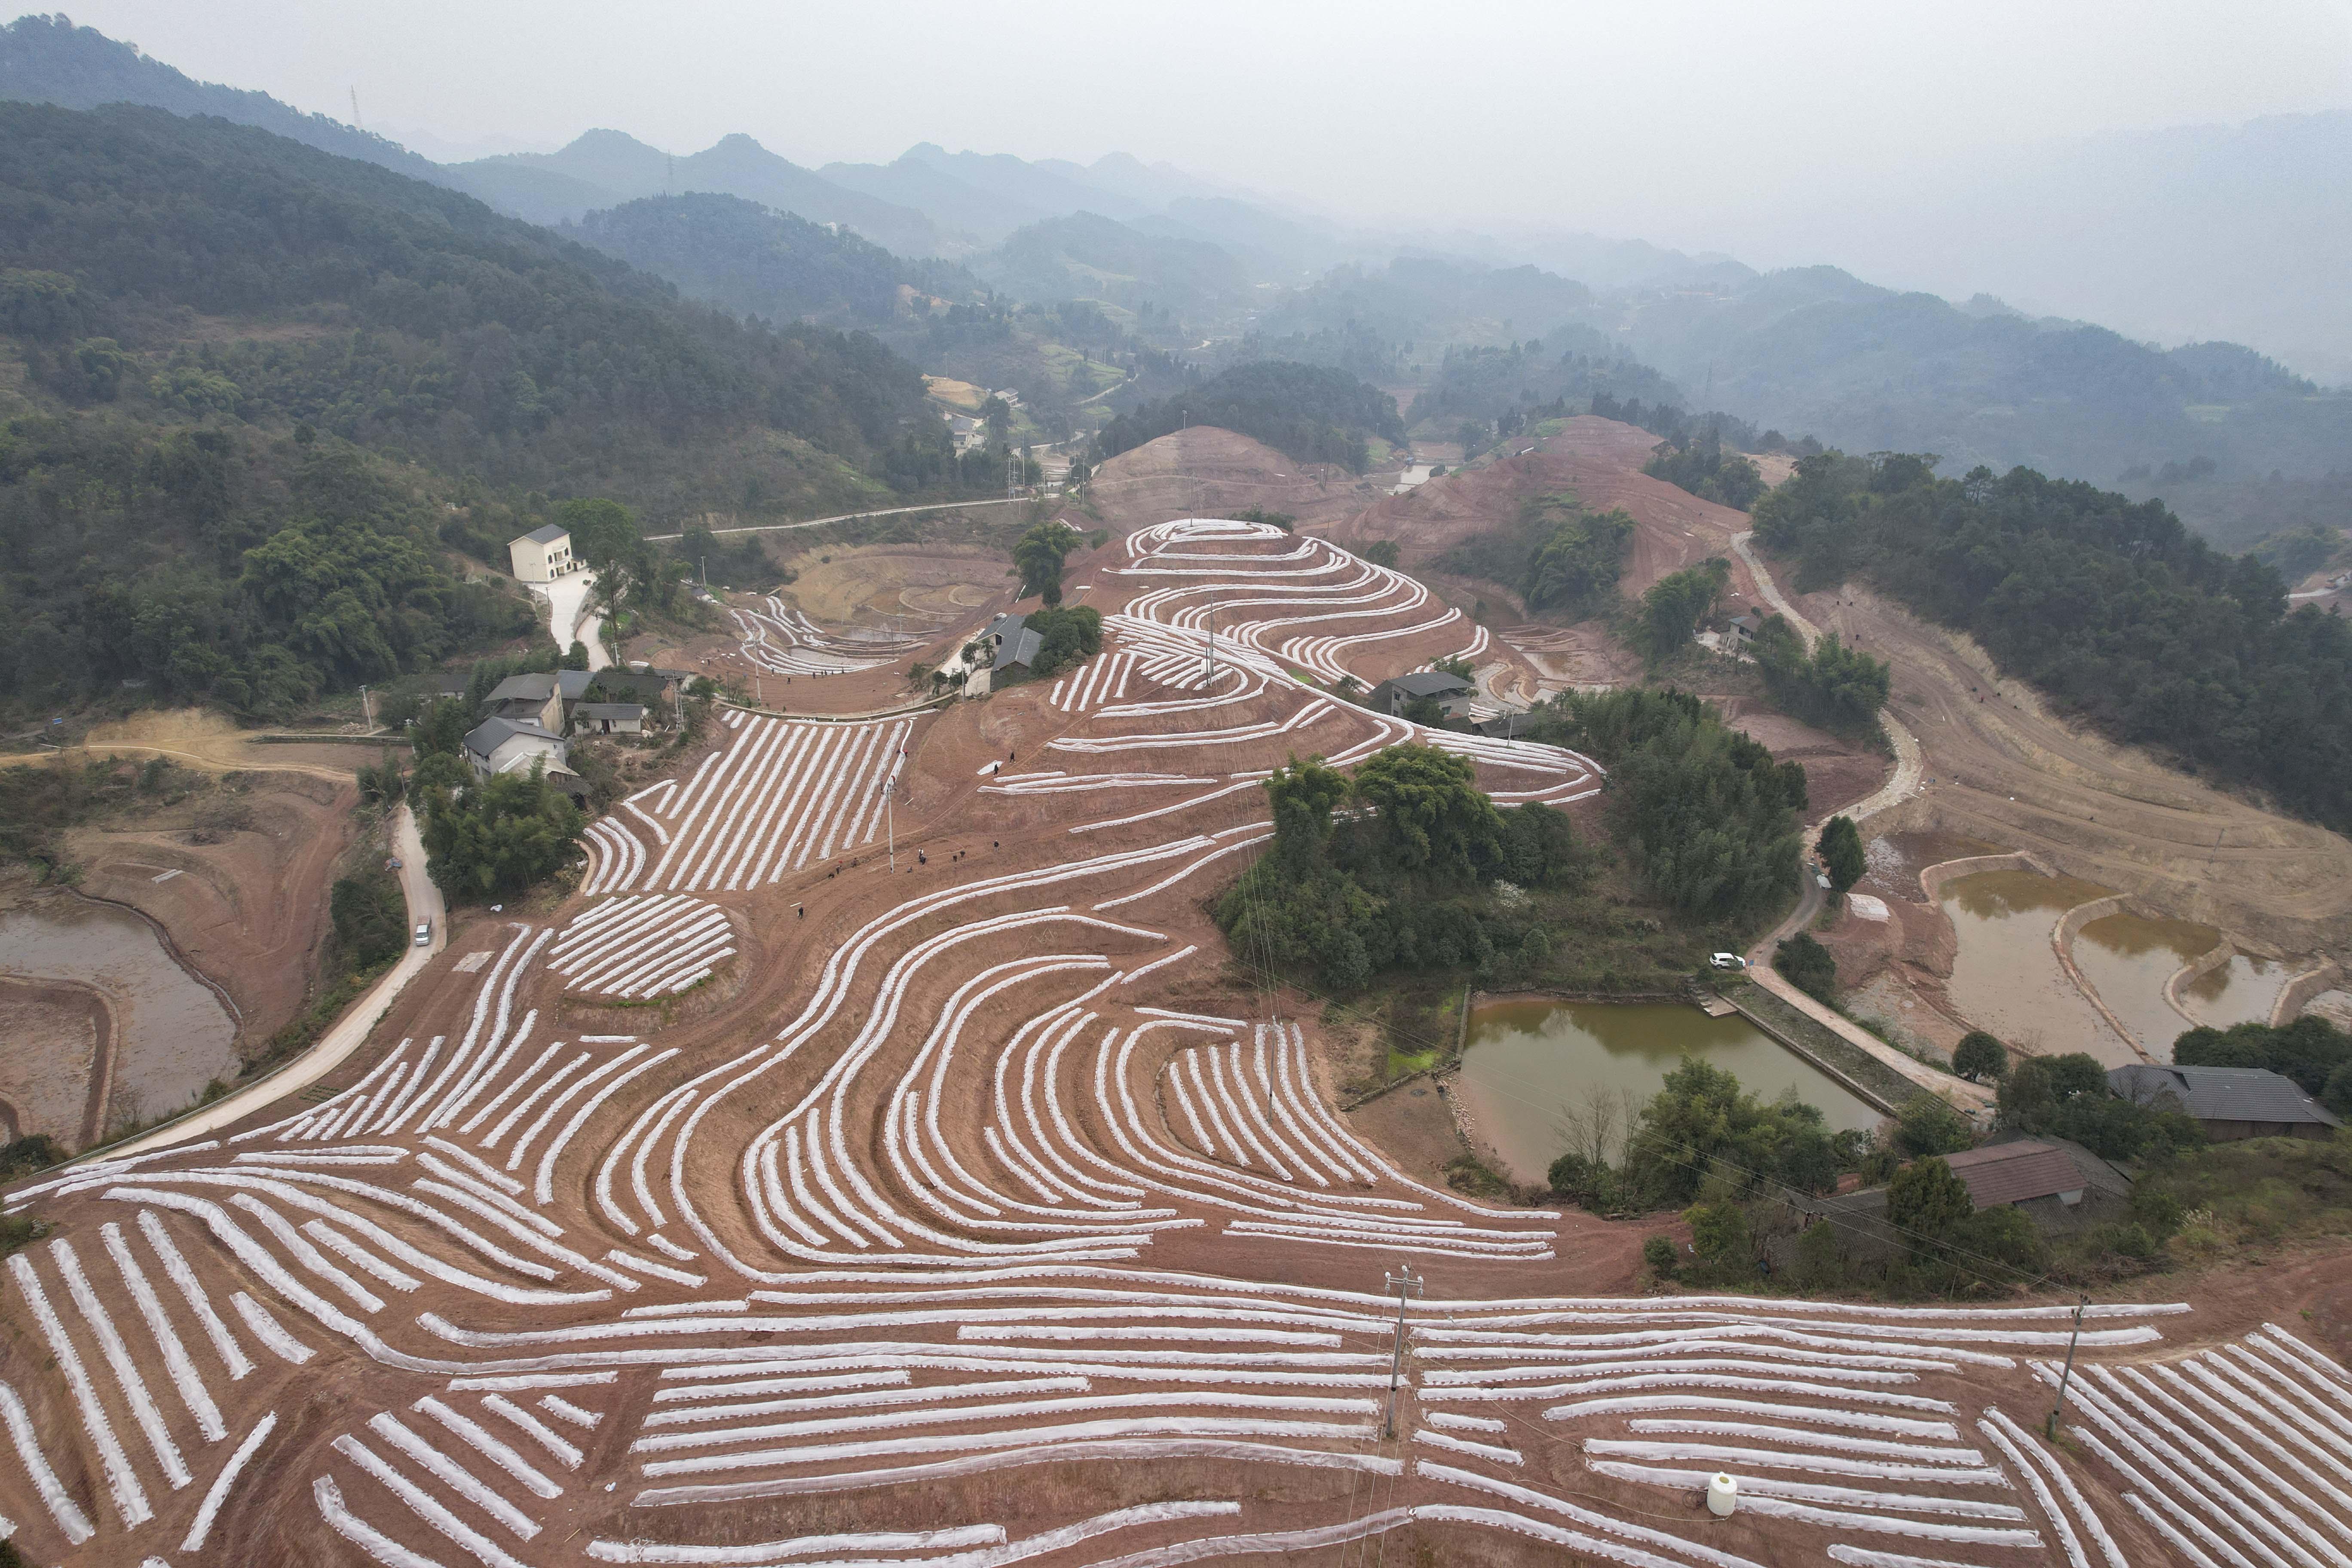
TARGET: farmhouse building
(544,697)
(543,554)
(1013,644)
(608,718)
(2228,1103)
(1450,692)
(497,746)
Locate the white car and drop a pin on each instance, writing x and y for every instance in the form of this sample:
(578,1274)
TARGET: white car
(425,934)
(1727,961)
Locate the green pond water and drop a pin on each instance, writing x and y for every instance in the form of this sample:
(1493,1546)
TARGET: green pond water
(1531,1068)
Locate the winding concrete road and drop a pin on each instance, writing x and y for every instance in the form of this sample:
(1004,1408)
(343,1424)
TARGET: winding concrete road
(570,619)
(1902,787)
(348,1033)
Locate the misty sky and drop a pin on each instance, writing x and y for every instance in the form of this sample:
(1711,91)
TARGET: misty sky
(1683,122)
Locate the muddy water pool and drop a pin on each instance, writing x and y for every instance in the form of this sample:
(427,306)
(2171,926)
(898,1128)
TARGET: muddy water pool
(2129,958)
(2005,975)
(171,1032)
(2242,991)
(1530,1066)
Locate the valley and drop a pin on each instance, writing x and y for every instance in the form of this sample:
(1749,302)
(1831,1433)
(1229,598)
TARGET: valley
(721,851)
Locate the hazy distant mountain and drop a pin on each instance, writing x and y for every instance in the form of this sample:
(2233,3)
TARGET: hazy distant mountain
(2188,233)
(604,168)
(1087,256)
(738,255)
(1430,301)
(1868,368)
(47,60)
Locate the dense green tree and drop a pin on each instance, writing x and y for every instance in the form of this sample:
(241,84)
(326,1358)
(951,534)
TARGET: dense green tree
(2309,1050)
(1037,556)
(1678,605)
(1389,870)
(496,837)
(1430,811)
(1709,817)
(370,918)
(1067,637)
(1842,853)
(1304,795)
(1980,1056)
(1719,1234)
(1929,1124)
(1380,553)
(1925,1204)
(1807,965)
(1836,687)
(1699,463)
(1701,1120)
(604,532)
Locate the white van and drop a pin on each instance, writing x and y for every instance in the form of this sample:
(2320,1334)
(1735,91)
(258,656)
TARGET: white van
(425,934)
(1727,961)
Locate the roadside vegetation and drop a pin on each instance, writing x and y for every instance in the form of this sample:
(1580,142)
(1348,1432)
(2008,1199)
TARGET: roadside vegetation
(2110,607)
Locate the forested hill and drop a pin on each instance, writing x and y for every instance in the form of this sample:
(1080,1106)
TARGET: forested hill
(253,396)
(47,60)
(1314,413)
(397,313)
(746,258)
(2111,607)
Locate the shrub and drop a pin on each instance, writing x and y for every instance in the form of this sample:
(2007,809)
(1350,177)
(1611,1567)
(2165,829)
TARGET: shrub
(1658,1254)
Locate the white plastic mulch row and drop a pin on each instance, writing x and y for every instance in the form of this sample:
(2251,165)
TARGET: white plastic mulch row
(1098,680)
(784,641)
(620,857)
(985,1545)
(122,1480)
(780,795)
(641,946)
(2202,1450)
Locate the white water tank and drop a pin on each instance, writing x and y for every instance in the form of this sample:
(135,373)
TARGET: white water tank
(1722,1496)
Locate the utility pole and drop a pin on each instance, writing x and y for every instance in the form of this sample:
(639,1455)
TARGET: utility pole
(360,124)
(367,711)
(1405,1284)
(2050,1427)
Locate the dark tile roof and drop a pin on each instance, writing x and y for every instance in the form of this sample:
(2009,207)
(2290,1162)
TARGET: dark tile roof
(538,684)
(1427,683)
(1014,642)
(2224,1094)
(547,534)
(2015,1173)
(488,735)
(609,710)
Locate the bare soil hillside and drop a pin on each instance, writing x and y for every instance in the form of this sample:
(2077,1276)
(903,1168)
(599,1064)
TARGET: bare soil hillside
(1208,472)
